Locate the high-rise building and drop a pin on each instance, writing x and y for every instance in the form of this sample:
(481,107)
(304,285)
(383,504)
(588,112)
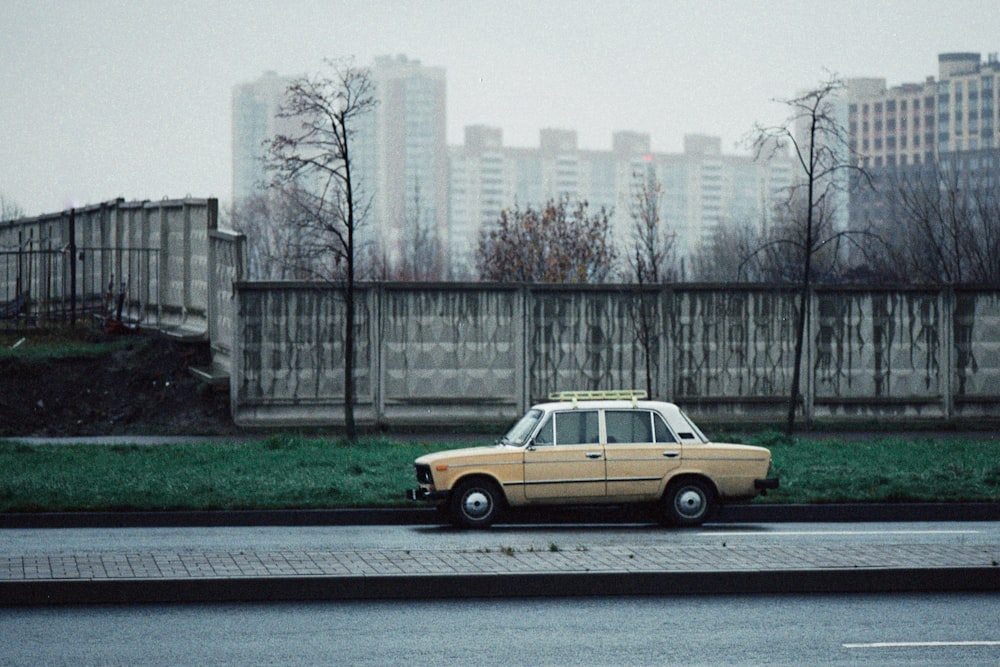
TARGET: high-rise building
(399,156)
(914,123)
(702,189)
(914,132)
(255,107)
(403,161)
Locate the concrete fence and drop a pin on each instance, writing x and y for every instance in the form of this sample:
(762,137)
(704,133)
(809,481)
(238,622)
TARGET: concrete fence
(443,354)
(156,253)
(438,354)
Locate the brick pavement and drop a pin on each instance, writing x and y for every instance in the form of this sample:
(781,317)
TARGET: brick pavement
(248,575)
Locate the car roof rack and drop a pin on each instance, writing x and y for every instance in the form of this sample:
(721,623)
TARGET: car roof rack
(633,395)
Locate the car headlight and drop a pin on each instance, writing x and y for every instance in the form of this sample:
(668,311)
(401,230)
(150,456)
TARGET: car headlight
(424,475)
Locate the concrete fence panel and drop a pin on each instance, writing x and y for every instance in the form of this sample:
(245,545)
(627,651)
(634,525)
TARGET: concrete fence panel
(879,353)
(733,349)
(450,353)
(975,378)
(591,338)
(289,355)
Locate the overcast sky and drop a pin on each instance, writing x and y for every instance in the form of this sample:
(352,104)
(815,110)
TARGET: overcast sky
(131,98)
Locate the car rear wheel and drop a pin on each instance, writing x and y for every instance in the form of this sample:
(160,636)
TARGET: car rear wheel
(475,503)
(688,502)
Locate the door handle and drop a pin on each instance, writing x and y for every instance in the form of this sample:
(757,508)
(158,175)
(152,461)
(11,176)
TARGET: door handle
(593,455)
(671,455)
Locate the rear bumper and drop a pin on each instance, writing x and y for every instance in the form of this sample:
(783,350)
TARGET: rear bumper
(426,495)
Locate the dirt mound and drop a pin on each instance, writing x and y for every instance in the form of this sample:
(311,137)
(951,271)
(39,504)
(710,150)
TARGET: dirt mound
(141,388)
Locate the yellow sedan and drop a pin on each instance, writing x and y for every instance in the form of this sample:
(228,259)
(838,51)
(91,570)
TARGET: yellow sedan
(595,448)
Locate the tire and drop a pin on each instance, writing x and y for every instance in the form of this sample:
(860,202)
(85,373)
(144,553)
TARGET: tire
(475,503)
(688,502)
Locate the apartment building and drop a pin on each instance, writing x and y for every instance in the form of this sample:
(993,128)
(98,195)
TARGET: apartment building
(255,107)
(702,188)
(914,123)
(403,158)
(916,132)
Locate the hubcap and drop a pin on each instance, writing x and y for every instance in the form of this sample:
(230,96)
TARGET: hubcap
(690,502)
(476,504)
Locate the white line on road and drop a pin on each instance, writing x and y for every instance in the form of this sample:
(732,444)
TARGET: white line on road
(800,533)
(921,644)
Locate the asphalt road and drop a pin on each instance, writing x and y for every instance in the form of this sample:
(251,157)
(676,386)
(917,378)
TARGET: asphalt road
(959,629)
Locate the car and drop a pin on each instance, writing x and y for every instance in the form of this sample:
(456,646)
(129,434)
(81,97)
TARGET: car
(593,448)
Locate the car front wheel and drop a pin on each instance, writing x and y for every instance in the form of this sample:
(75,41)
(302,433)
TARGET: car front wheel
(688,502)
(475,503)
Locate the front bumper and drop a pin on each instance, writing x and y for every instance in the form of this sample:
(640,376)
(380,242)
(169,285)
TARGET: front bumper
(763,485)
(426,495)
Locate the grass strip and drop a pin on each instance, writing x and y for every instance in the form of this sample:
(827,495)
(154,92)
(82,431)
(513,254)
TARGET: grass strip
(286,472)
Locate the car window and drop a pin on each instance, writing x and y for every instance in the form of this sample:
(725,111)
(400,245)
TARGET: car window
(636,426)
(663,433)
(578,427)
(632,426)
(546,436)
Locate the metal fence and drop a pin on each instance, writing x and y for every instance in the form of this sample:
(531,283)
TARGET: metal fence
(42,283)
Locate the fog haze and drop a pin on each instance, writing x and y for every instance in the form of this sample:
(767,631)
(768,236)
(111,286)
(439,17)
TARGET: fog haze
(102,99)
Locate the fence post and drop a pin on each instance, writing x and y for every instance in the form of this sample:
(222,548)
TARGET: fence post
(72,267)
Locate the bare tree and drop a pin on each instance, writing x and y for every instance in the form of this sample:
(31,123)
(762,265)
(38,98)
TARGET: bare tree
(9,209)
(650,262)
(729,256)
(651,256)
(421,252)
(823,155)
(555,244)
(942,225)
(313,168)
(265,219)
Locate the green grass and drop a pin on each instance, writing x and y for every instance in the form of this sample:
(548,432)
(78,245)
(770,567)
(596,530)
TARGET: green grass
(299,472)
(40,345)
(279,472)
(885,469)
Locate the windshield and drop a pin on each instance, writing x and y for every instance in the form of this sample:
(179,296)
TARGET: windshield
(522,429)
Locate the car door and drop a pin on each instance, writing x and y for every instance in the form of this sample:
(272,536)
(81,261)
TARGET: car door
(640,451)
(565,461)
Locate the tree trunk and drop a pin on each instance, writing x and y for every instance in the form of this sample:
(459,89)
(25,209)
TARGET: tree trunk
(349,359)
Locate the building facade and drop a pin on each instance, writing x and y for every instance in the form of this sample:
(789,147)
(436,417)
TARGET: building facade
(399,156)
(920,137)
(404,165)
(255,119)
(914,123)
(702,189)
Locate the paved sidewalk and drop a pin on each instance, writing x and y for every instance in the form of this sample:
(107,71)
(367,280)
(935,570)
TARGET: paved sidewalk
(244,576)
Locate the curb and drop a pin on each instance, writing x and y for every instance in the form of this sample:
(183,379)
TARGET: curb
(750,513)
(523,585)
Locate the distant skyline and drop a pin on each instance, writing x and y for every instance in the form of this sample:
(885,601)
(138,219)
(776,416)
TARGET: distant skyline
(103,99)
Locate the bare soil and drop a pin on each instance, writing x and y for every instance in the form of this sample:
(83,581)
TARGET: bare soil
(143,387)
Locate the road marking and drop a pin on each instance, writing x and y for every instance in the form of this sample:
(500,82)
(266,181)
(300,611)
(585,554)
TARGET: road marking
(800,533)
(921,644)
